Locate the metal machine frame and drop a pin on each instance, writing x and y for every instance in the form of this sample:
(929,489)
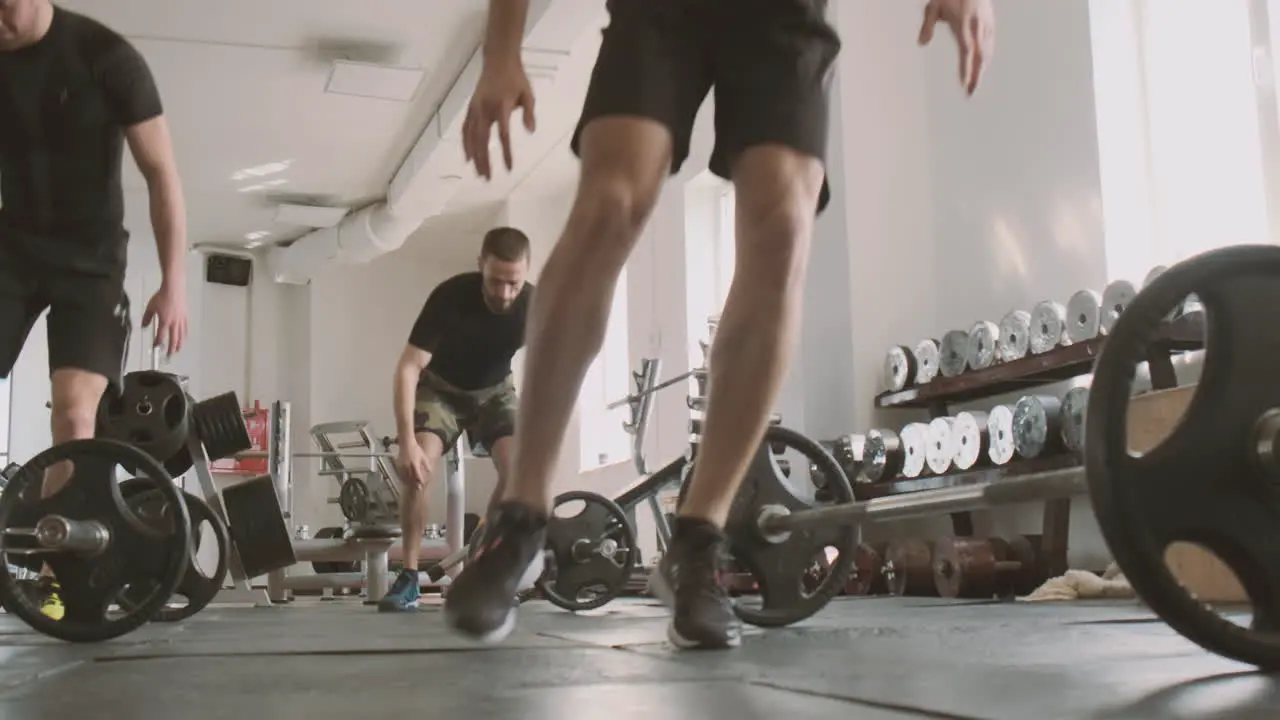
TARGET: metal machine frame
(373,551)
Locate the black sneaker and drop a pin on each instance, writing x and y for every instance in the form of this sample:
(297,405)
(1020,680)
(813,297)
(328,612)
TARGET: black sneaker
(482,600)
(688,581)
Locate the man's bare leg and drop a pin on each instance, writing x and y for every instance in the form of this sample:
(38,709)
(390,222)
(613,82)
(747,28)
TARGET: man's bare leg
(403,593)
(503,453)
(777,190)
(75,397)
(624,163)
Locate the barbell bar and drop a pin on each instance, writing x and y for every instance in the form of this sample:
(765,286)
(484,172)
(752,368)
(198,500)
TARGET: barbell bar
(660,386)
(247,454)
(1032,487)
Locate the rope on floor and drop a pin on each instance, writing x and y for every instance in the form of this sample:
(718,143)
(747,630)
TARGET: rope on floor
(1083,585)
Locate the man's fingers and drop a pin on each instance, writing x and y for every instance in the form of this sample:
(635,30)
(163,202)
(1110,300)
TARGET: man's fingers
(480,144)
(965,44)
(973,38)
(504,135)
(931,16)
(527,102)
(467,122)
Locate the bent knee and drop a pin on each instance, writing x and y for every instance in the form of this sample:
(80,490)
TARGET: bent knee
(616,201)
(777,198)
(74,422)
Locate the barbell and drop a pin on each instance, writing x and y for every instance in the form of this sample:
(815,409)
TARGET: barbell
(1214,480)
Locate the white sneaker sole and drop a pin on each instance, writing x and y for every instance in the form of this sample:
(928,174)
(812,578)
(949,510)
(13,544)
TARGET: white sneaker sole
(661,589)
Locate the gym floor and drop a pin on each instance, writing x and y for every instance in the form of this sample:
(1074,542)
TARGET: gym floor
(867,658)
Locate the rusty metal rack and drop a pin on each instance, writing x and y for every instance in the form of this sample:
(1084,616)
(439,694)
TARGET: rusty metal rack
(1062,363)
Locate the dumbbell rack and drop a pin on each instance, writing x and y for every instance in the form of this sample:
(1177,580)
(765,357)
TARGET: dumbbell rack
(1061,363)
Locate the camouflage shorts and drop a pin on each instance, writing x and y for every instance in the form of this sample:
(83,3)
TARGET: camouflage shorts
(486,415)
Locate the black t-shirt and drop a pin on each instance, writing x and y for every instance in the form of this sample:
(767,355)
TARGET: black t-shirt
(64,105)
(470,345)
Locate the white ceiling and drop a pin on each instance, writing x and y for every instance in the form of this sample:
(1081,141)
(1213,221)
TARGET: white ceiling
(243,83)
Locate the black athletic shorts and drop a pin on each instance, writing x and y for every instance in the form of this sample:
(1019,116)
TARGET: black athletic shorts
(770,61)
(88,323)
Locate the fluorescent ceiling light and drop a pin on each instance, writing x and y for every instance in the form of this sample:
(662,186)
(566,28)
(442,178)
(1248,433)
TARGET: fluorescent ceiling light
(374,81)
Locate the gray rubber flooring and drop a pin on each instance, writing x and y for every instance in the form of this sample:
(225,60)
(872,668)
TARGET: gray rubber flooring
(868,658)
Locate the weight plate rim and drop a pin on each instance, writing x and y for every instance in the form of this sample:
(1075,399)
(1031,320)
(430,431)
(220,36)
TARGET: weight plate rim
(199,511)
(615,588)
(850,535)
(12,597)
(1109,398)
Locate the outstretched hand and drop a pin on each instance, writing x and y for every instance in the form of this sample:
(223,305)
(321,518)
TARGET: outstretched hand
(168,310)
(973,24)
(502,88)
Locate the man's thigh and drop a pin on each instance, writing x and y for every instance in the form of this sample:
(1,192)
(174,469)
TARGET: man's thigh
(89,324)
(436,414)
(775,60)
(494,416)
(20,307)
(651,65)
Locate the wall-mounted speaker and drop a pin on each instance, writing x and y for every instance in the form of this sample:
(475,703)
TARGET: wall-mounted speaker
(228,270)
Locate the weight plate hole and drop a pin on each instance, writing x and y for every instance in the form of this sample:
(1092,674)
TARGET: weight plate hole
(1214,582)
(175,407)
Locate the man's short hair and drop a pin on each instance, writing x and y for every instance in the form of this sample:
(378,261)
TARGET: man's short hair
(505,243)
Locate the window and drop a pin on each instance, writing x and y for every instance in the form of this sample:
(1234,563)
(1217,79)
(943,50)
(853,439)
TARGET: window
(709,255)
(1182,134)
(604,440)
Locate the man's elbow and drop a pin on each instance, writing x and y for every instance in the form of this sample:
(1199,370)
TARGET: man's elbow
(408,370)
(161,178)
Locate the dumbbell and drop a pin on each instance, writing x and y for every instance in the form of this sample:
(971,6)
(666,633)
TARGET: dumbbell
(983,568)
(868,570)
(908,568)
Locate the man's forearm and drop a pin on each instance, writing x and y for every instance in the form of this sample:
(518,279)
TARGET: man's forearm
(505,32)
(169,223)
(403,385)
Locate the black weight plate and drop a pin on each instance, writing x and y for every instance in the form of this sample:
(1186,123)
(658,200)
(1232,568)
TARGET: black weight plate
(780,568)
(137,553)
(219,423)
(574,544)
(258,528)
(1203,484)
(196,587)
(152,412)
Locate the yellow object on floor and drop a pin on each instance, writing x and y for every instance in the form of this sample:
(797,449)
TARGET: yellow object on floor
(52,605)
(1083,585)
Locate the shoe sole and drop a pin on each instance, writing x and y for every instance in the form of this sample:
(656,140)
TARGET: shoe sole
(659,586)
(388,608)
(500,633)
(491,637)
